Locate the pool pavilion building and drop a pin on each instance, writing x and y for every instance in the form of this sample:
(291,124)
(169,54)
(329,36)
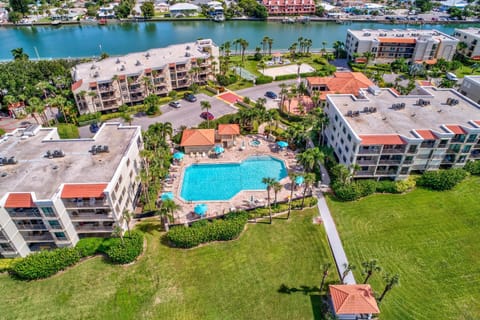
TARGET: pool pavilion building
(54,192)
(203,140)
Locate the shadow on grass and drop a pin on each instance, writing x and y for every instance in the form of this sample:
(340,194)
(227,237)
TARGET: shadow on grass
(303,289)
(318,300)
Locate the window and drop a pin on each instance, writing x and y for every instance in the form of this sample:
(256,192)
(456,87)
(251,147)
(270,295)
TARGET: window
(466,149)
(336,117)
(54,224)
(349,137)
(60,235)
(472,138)
(48,211)
(128,162)
(412,149)
(341,141)
(344,130)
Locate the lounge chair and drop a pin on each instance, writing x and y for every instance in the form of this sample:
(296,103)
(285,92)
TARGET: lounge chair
(204,155)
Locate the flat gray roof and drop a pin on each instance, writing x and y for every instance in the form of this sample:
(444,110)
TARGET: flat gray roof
(389,121)
(370,34)
(473,78)
(36,173)
(471,31)
(136,63)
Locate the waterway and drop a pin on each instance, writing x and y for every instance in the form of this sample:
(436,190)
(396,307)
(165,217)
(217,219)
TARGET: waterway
(116,39)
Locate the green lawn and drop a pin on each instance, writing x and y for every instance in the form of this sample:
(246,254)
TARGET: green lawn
(233,280)
(68,131)
(431,239)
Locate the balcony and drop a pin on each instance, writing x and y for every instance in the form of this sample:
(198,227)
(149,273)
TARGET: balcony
(389,161)
(366,162)
(106,89)
(91,217)
(386,173)
(394,150)
(134,89)
(369,150)
(86,204)
(90,228)
(43,237)
(364,174)
(31,227)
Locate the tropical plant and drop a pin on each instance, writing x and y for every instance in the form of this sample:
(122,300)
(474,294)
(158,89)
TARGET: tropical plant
(277,187)
(127,216)
(390,282)
(269,182)
(309,180)
(19,54)
(369,267)
(325,268)
(292,176)
(347,268)
(310,157)
(205,105)
(118,233)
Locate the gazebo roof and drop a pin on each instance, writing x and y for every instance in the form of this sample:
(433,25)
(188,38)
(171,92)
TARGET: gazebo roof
(198,137)
(228,129)
(353,299)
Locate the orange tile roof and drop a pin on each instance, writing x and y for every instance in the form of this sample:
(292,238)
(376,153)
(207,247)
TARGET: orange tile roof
(148,70)
(341,82)
(198,137)
(353,299)
(77,85)
(477,122)
(19,200)
(456,129)
(397,40)
(229,129)
(15,105)
(476,58)
(427,134)
(92,84)
(378,139)
(94,190)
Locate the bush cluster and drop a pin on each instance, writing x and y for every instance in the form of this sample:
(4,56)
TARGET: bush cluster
(202,231)
(224,80)
(6,264)
(282,207)
(473,167)
(89,246)
(442,179)
(263,79)
(358,189)
(126,251)
(44,264)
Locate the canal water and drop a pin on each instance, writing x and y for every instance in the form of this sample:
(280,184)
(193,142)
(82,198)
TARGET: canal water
(115,39)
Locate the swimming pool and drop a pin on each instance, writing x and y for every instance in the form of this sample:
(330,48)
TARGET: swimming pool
(202,182)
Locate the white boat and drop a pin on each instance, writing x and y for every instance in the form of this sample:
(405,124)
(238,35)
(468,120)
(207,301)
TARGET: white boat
(219,18)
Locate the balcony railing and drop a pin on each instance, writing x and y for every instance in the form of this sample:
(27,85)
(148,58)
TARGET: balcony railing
(106,89)
(91,217)
(86,204)
(366,162)
(363,173)
(390,161)
(31,227)
(45,237)
(87,228)
(394,150)
(386,173)
(368,151)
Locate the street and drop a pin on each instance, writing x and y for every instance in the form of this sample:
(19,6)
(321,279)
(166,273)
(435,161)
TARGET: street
(256,92)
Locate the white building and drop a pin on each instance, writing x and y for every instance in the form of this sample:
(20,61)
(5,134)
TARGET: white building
(471,39)
(109,83)
(184,9)
(413,45)
(390,136)
(54,191)
(471,87)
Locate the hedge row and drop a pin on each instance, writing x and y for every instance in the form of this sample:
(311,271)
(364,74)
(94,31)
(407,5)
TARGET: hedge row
(263,80)
(44,264)
(473,167)
(203,231)
(442,179)
(282,207)
(362,188)
(6,264)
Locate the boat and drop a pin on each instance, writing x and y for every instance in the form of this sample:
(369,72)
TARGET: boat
(219,18)
(288,20)
(55,22)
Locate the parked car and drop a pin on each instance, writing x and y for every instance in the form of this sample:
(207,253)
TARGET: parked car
(94,127)
(207,115)
(175,104)
(271,95)
(190,97)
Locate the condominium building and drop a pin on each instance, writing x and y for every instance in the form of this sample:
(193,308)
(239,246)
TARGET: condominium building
(109,83)
(289,7)
(471,87)
(388,45)
(390,136)
(55,191)
(469,42)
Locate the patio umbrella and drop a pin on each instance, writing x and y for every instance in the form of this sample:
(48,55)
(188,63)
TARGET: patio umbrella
(299,180)
(166,196)
(218,149)
(282,144)
(178,155)
(200,209)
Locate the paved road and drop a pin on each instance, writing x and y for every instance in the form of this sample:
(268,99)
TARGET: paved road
(187,115)
(256,92)
(334,239)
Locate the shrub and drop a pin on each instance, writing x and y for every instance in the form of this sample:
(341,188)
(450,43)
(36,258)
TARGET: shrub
(473,167)
(386,186)
(127,251)
(282,207)
(263,79)
(89,246)
(365,187)
(6,264)
(345,191)
(405,185)
(442,179)
(219,230)
(44,264)
(285,77)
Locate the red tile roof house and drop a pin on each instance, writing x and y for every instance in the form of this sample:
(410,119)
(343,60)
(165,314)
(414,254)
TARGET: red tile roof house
(227,133)
(353,301)
(198,140)
(289,7)
(341,83)
(298,105)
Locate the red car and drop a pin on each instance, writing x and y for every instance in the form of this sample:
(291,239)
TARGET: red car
(207,115)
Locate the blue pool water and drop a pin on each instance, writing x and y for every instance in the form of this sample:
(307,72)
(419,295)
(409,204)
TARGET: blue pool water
(203,182)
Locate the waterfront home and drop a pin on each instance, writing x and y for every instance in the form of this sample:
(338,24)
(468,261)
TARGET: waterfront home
(390,136)
(107,84)
(353,301)
(184,10)
(289,7)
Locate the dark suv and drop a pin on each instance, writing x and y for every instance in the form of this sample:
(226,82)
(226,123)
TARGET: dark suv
(271,95)
(190,97)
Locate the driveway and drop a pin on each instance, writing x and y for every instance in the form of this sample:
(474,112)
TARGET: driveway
(187,115)
(256,92)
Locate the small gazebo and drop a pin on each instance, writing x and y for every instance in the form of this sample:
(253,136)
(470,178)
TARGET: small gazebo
(353,301)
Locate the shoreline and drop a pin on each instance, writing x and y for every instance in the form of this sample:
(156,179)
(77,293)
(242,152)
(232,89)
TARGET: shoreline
(277,19)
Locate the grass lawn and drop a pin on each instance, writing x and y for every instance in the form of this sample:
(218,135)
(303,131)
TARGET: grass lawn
(466,71)
(68,131)
(431,239)
(232,280)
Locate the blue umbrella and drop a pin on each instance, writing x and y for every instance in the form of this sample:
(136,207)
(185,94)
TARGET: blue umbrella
(218,149)
(166,196)
(200,209)
(282,144)
(299,180)
(178,155)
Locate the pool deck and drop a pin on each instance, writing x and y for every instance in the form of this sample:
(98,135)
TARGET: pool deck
(241,200)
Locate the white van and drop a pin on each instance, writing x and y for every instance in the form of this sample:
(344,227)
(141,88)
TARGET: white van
(452,76)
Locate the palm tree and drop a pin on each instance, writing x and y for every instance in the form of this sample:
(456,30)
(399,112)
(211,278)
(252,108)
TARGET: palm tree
(324,49)
(264,44)
(348,267)
(300,45)
(270,44)
(308,182)
(117,232)
(167,210)
(262,65)
(166,130)
(338,46)
(369,267)
(391,281)
(293,176)
(308,45)
(127,117)
(277,187)
(127,216)
(325,268)
(19,54)
(244,46)
(269,182)
(309,158)
(205,105)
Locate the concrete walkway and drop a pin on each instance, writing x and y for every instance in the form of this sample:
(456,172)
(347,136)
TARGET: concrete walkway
(334,239)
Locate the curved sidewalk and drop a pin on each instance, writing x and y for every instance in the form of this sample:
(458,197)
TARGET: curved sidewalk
(334,239)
